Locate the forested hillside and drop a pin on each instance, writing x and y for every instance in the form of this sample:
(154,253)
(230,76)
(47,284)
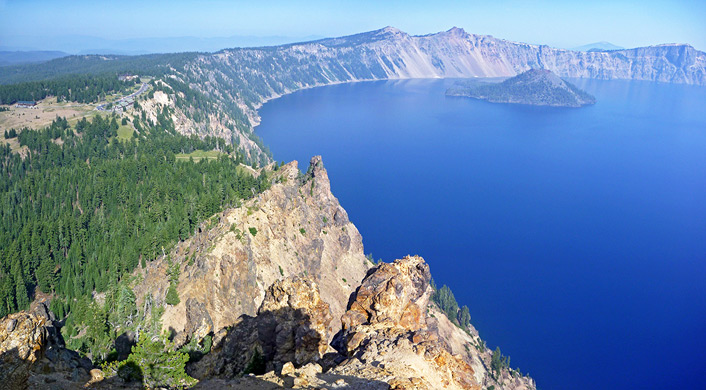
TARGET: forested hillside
(76,88)
(82,208)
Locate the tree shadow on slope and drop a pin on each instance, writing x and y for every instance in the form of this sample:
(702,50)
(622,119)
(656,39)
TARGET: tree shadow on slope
(260,344)
(257,345)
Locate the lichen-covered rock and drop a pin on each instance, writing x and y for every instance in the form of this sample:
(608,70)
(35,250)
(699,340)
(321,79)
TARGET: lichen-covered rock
(393,295)
(22,342)
(33,354)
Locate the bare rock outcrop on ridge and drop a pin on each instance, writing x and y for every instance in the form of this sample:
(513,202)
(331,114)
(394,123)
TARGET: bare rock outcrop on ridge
(386,336)
(296,228)
(33,354)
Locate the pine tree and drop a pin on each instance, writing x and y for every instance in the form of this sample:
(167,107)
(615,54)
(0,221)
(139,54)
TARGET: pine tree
(172,296)
(464,317)
(155,363)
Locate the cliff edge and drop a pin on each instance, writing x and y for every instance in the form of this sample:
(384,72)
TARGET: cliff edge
(275,293)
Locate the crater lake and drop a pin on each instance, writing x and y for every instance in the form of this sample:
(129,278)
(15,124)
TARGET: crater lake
(577,237)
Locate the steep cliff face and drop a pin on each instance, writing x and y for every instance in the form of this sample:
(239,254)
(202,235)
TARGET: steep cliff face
(246,78)
(291,326)
(297,227)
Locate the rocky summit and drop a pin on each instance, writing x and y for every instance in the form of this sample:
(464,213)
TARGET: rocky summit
(278,294)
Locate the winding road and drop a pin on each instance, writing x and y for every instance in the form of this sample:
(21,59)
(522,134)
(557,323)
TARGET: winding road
(143,88)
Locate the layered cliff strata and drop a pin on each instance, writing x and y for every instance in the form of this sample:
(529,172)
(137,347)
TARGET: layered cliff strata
(252,76)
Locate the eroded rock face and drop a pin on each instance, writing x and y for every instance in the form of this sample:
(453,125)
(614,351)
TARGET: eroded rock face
(385,333)
(22,343)
(296,228)
(33,355)
(299,319)
(391,296)
(291,327)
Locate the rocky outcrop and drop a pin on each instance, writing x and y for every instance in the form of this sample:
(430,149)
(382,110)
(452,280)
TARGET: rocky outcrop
(391,337)
(385,333)
(22,344)
(33,354)
(290,330)
(295,228)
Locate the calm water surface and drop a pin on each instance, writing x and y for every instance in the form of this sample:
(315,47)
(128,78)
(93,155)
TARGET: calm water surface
(577,237)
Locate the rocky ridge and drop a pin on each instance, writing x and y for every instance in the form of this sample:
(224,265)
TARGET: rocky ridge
(297,227)
(293,301)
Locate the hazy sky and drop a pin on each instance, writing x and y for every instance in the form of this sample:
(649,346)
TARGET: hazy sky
(627,23)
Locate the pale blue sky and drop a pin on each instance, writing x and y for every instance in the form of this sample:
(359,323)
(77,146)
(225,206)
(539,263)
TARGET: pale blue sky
(627,23)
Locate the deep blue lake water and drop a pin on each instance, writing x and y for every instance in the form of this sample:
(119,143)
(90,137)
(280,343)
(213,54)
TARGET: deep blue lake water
(577,237)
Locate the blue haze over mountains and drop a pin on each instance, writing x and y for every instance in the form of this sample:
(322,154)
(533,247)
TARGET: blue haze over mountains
(79,44)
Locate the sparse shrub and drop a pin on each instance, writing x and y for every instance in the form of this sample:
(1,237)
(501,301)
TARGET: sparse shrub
(155,363)
(256,365)
(253,231)
(498,362)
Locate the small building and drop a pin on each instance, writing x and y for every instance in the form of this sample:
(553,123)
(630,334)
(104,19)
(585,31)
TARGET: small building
(26,104)
(125,77)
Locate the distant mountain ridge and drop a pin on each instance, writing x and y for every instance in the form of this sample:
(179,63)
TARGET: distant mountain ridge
(13,57)
(82,44)
(598,46)
(392,53)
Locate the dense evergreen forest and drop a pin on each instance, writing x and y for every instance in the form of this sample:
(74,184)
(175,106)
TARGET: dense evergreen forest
(149,64)
(77,88)
(82,209)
